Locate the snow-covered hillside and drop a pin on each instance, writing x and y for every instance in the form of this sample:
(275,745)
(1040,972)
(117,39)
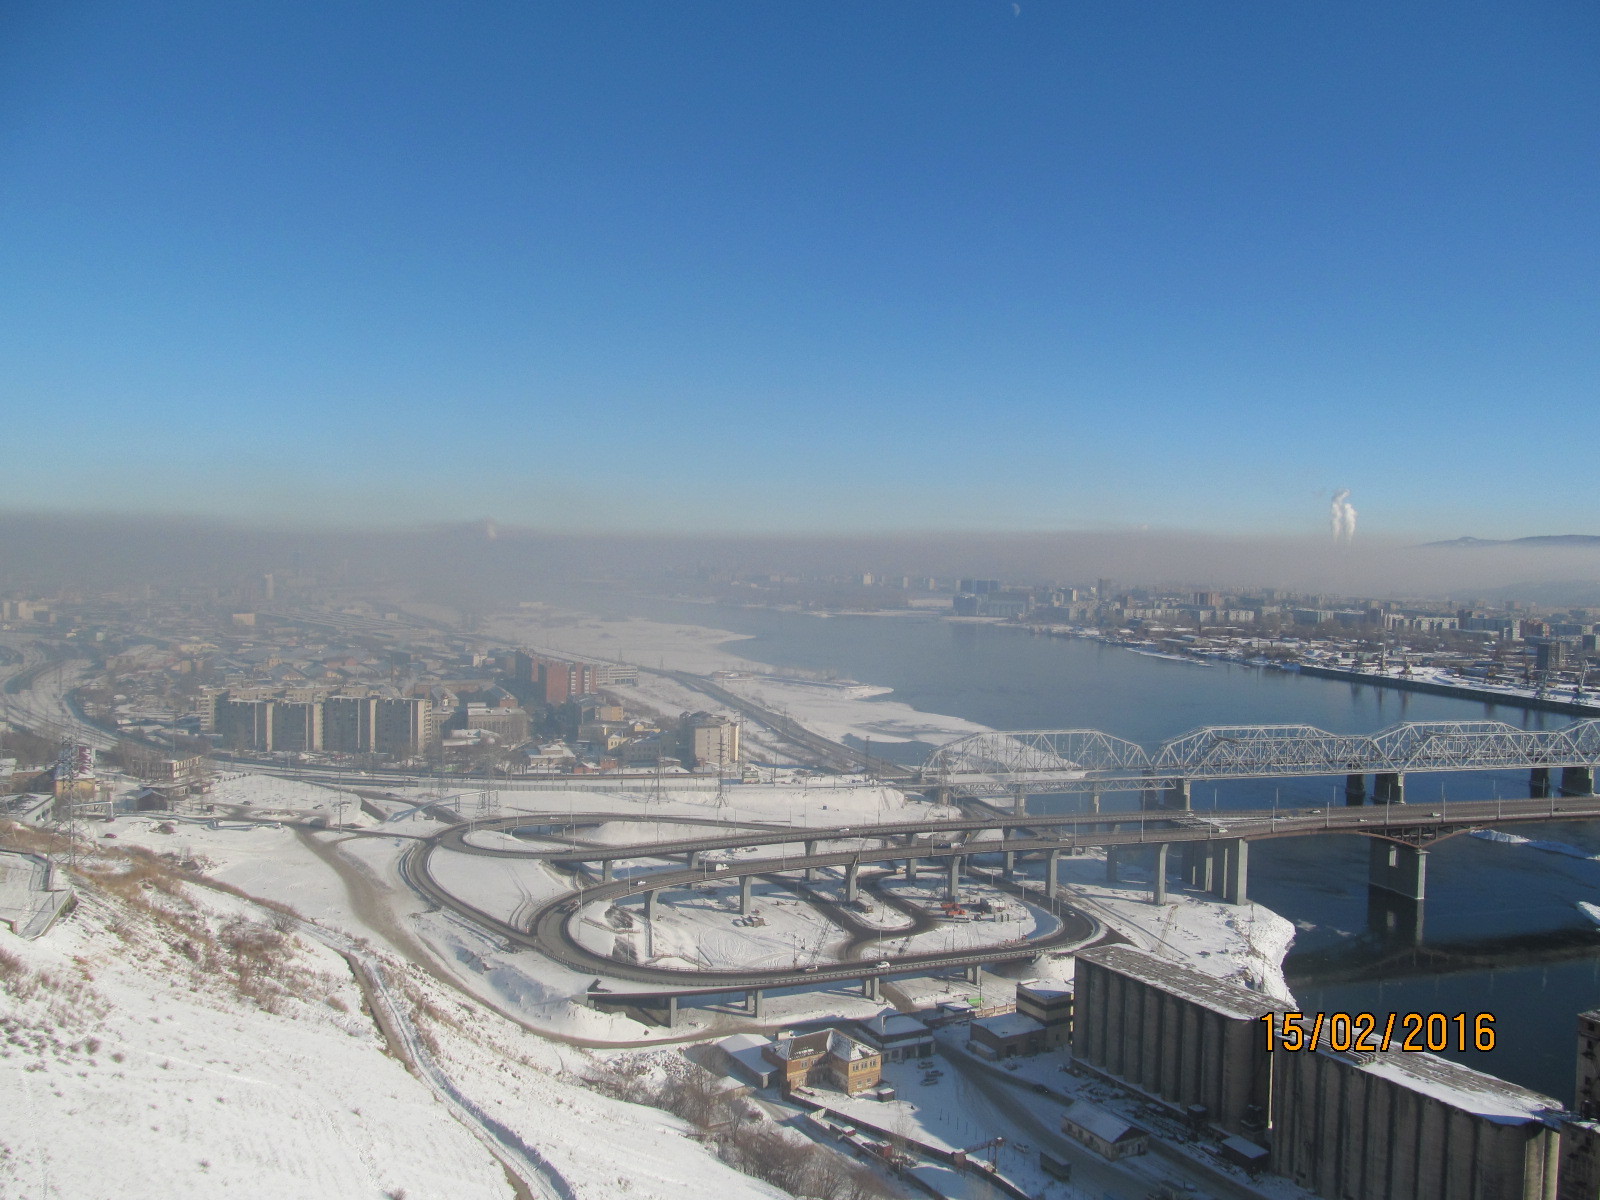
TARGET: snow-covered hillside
(168,1039)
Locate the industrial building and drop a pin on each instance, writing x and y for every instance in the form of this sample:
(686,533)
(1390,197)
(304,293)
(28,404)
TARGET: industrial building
(1347,1126)
(1051,1006)
(1186,1038)
(1007,1035)
(898,1036)
(1381,1126)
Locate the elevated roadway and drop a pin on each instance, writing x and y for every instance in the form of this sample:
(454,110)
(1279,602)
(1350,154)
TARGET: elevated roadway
(548,930)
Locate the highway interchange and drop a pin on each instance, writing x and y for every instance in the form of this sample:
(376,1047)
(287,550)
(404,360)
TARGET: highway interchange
(548,930)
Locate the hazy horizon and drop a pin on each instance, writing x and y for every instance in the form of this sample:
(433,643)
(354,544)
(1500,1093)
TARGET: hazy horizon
(502,563)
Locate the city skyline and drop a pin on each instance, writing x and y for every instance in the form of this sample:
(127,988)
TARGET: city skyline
(728,269)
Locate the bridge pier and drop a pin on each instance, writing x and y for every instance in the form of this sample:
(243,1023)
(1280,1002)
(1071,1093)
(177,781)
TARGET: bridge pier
(1577,781)
(811,872)
(1159,890)
(1389,787)
(1355,789)
(1011,863)
(650,902)
(672,1012)
(975,974)
(872,987)
(606,871)
(1113,864)
(1177,795)
(755,1001)
(746,884)
(852,875)
(1539,783)
(1197,864)
(1094,800)
(1051,872)
(1019,800)
(1398,868)
(1235,871)
(911,870)
(952,887)
(1397,876)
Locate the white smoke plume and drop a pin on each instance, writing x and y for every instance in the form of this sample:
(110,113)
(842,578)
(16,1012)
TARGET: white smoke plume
(1343,517)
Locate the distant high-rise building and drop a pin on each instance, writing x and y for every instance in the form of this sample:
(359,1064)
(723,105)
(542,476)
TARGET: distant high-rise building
(561,681)
(403,726)
(244,724)
(348,724)
(296,726)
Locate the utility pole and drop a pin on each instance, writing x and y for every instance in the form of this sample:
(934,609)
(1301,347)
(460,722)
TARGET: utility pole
(66,782)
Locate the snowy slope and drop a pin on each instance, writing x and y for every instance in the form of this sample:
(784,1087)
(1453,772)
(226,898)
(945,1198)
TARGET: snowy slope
(168,1040)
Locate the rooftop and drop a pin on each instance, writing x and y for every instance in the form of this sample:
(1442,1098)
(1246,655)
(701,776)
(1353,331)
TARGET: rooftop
(1459,1086)
(1008,1025)
(1044,992)
(897,1025)
(1227,999)
(1108,1127)
(843,1046)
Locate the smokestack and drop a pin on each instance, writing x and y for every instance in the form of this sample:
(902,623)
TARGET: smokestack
(1342,516)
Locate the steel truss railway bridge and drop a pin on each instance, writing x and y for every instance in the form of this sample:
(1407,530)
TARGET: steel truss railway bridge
(1088,761)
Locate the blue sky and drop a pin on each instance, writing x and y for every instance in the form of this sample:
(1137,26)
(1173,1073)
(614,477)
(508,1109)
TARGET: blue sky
(805,267)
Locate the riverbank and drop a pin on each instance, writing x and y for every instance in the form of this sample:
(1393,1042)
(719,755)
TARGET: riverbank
(1437,685)
(1245,945)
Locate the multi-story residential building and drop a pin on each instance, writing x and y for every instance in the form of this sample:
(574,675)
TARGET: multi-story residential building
(712,741)
(349,724)
(244,724)
(399,726)
(296,725)
(403,726)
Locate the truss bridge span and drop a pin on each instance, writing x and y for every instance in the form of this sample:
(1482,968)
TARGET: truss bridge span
(1087,760)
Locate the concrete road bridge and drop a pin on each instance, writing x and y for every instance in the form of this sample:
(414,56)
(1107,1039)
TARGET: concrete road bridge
(1213,850)
(1088,761)
(549,931)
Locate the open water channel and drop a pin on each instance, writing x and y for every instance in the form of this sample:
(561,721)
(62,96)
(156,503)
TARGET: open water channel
(1502,932)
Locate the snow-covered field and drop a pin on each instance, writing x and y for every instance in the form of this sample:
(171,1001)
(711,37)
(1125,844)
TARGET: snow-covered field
(694,929)
(1243,943)
(543,627)
(834,713)
(793,800)
(838,713)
